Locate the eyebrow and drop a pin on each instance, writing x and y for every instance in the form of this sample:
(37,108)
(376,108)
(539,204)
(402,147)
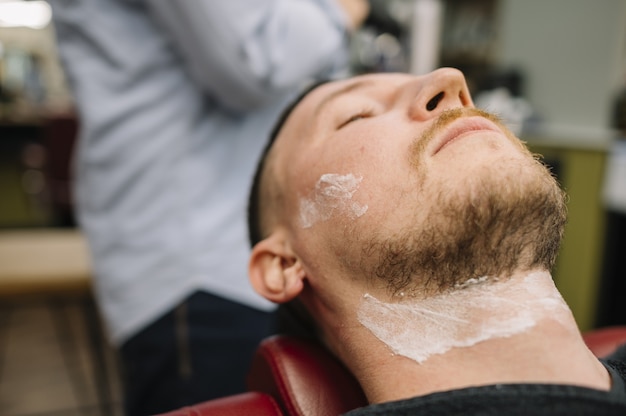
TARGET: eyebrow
(339,92)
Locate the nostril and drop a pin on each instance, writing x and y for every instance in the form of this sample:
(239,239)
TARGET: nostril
(432,104)
(462,98)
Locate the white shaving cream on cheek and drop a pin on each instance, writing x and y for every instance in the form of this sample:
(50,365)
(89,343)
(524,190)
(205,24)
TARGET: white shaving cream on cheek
(332,195)
(478,311)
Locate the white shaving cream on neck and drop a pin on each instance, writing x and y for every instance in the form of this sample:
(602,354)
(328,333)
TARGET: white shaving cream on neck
(332,194)
(476,311)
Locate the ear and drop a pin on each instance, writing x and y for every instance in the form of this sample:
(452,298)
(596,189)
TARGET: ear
(274,270)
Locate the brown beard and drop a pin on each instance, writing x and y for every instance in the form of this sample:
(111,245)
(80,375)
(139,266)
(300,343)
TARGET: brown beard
(502,232)
(512,220)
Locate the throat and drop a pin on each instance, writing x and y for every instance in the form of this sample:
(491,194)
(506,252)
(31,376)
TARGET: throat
(462,317)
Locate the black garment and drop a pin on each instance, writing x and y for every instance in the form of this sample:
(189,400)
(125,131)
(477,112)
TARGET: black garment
(515,400)
(611,308)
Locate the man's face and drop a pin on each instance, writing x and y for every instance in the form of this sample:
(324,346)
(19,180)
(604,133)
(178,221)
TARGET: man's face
(368,158)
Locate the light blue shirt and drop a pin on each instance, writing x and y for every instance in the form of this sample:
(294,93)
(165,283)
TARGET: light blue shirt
(176,99)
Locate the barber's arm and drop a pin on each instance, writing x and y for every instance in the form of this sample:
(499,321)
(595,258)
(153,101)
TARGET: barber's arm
(243,52)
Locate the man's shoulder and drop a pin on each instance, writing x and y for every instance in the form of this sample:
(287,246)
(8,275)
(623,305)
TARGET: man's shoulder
(509,399)
(619,355)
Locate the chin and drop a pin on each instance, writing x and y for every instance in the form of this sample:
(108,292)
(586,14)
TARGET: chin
(500,219)
(487,171)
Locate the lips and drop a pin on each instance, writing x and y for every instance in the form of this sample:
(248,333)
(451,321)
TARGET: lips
(462,127)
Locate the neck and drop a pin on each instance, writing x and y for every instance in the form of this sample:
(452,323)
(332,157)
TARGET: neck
(486,332)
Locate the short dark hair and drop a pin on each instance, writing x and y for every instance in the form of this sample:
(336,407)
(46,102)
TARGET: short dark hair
(255,229)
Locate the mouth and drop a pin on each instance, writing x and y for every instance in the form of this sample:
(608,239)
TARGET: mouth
(463,127)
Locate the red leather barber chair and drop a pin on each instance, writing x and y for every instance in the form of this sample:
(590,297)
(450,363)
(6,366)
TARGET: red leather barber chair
(603,342)
(289,376)
(293,377)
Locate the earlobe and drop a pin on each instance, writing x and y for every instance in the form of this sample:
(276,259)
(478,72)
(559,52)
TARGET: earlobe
(274,272)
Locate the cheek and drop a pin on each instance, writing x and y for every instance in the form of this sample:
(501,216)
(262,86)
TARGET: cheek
(362,174)
(332,196)
(329,188)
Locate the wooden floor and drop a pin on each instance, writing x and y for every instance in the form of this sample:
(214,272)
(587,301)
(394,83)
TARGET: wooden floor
(46,363)
(46,358)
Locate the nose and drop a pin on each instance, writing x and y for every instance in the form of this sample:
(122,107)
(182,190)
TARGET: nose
(438,91)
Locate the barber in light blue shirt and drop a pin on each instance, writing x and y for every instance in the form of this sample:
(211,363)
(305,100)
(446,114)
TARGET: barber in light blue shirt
(175,101)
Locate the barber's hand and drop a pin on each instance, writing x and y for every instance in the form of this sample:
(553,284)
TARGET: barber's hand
(357,11)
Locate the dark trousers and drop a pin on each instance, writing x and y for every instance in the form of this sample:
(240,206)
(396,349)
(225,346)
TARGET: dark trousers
(199,351)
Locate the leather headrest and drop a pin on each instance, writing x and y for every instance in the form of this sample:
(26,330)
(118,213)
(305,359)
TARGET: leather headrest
(304,377)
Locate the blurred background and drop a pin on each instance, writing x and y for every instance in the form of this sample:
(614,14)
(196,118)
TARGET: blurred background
(555,70)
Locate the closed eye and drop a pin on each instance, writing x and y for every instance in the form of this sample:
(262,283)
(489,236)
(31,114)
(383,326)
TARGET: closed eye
(355,117)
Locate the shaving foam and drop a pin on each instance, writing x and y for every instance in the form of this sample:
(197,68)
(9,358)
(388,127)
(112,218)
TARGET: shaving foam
(332,195)
(476,311)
